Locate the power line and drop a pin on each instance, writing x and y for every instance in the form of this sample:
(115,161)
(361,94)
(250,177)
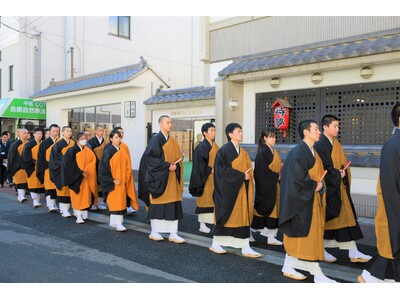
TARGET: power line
(52,42)
(9,27)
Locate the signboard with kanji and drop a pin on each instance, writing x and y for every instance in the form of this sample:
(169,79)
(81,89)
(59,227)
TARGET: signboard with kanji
(22,108)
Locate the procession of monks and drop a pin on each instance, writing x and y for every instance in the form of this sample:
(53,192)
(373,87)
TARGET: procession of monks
(306,197)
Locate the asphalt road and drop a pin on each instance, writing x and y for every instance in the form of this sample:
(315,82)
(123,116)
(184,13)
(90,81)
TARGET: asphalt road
(41,247)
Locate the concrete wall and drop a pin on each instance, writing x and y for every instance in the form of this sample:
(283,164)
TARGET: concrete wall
(225,91)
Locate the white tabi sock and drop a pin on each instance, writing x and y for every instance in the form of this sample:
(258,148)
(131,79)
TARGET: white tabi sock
(116,222)
(248,251)
(64,209)
(85,214)
(369,278)
(203,228)
(215,247)
(21,194)
(329,257)
(354,253)
(78,215)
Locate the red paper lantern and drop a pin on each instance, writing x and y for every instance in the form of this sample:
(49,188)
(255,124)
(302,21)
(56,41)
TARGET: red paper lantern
(281,115)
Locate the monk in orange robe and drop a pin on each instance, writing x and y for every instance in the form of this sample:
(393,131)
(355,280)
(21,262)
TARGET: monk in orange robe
(29,159)
(233,195)
(161,183)
(116,180)
(302,207)
(78,169)
(15,166)
(56,155)
(42,167)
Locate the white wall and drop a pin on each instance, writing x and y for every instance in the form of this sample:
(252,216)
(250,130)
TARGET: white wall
(169,44)
(215,68)
(10,57)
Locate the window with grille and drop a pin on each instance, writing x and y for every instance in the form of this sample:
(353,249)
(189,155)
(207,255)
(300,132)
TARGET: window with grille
(363,111)
(304,104)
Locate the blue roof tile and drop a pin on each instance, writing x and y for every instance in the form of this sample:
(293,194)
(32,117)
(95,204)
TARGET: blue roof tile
(181,95)
(360,45)
(109,77)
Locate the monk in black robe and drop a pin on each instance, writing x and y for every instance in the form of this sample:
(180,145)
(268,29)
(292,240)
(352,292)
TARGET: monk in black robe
(29,158)
(42,167)
(266,175)
(15,165)
(302,207)
(97,144)
(202,176)
(385,265)
(56,155)
(161,183)
(341,226)
(233,195)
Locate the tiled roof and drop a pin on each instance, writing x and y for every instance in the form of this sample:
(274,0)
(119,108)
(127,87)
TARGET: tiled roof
(109,77)
(180,95)
(355,46)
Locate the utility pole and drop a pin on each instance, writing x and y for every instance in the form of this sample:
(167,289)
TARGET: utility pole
(37,63)
(72,61)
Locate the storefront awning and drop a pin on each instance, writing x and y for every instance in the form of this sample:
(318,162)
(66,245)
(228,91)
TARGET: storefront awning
(22,109)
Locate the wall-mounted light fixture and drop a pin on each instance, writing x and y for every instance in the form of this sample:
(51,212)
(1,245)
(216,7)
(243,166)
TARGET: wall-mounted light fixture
(317,78)
(275,82)
(366,72)
(233,104)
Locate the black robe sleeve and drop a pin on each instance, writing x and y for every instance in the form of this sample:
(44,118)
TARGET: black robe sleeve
(200,169)
(154,170)
(332,178)
(28,163)
(297,192)
(70,172)
(389,174)
(94,143)
(55,163)
(227,183)
(104,175)
(42,163)
(265,181)
(14,162)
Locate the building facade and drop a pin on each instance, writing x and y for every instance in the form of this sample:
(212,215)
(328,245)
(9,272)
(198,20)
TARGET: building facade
(111,98)
(347,66)
(38,50)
